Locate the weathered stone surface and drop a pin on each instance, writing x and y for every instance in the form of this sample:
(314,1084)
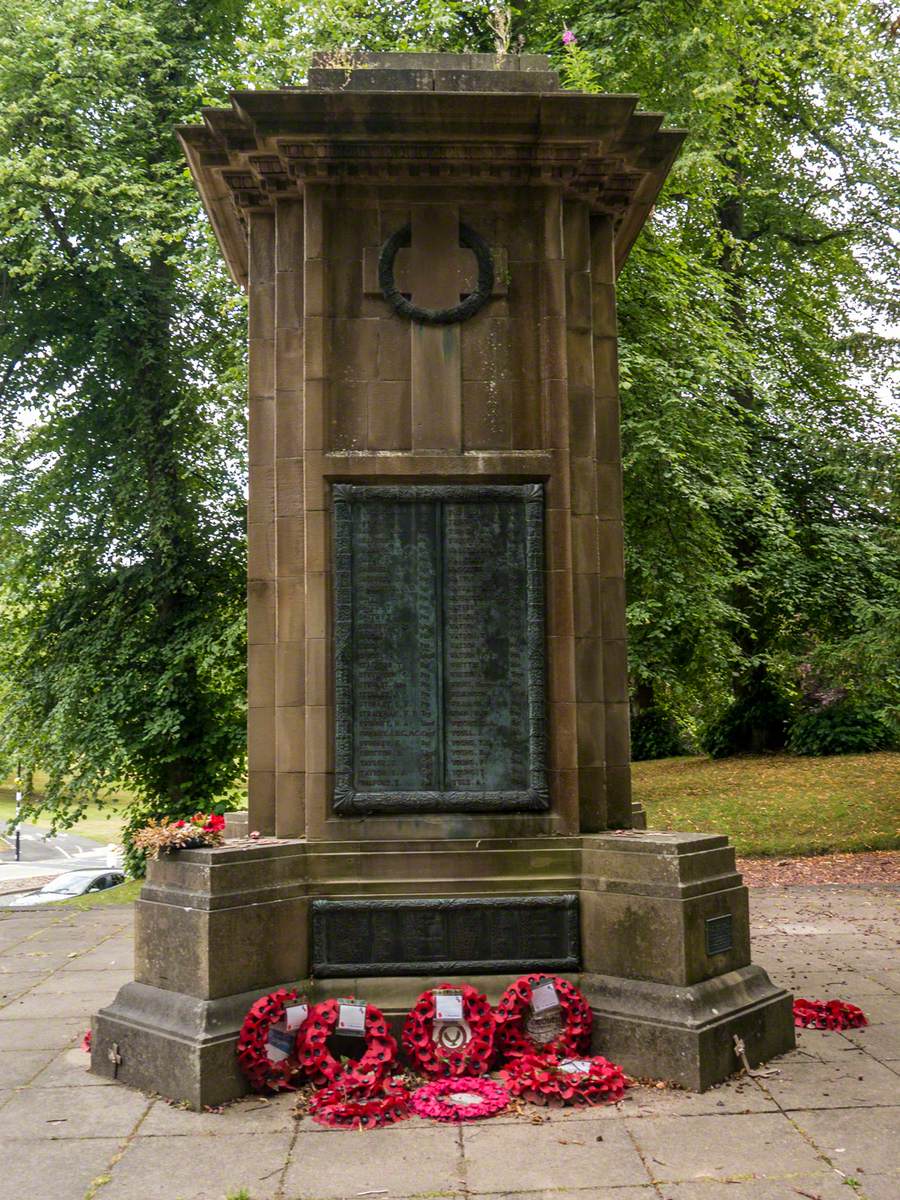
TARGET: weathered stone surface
(686,1034)
(403,744)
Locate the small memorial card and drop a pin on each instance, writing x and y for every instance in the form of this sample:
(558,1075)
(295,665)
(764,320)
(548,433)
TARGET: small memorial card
(295,1015)
(448,1006)
(543,997)
(352,1019)
(279,1043)
(575,1066)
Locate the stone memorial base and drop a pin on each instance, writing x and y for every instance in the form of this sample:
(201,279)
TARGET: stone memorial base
(653,927)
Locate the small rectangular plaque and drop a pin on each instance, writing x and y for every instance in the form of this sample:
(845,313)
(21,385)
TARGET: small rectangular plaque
(719,937)
(426,937)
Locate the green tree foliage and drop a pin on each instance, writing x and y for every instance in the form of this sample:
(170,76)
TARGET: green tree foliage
(755,315)
(121,473)
(760,447)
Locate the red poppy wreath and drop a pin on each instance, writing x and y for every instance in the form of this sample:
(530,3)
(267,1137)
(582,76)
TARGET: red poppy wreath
(263,1072)
(455,1047)
(379,1056)
(550,1079)
(828,1014)
(361,1107)
(514,1013)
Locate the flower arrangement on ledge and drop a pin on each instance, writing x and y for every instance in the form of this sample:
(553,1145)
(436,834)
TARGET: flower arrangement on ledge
(202,829)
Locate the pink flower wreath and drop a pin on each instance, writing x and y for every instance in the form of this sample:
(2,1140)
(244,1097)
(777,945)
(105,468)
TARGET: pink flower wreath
(435,1100)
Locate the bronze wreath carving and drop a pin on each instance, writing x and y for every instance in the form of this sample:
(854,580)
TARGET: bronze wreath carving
(436,316)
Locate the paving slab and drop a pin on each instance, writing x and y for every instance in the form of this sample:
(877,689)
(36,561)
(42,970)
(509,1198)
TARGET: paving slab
(548,1157)
(45,1114)
(853,1140)
(48,1006)
(180,1168)
(735,1096)
(64,1171)
(881,1041)
(831,981)
(104,958)
(610,1192)
(724,1147)
(80,983)
(880,1010)
(25,1034)
(858,1081)
(252,1115)
(830,1186)
(412,1159)
(70,1069)
(875,1187)
(17,1067)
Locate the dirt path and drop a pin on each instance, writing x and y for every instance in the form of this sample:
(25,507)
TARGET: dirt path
(879,866)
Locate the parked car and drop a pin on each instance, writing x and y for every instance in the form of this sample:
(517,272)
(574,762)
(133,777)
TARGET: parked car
(73,883)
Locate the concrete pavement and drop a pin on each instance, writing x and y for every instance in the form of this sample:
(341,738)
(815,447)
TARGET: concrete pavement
(824,1127)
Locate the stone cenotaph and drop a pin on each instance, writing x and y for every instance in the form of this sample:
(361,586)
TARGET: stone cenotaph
(438,697)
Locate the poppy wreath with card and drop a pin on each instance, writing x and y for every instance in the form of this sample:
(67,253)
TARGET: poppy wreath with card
(366,1106)
(460,1098)
(828,1014)
(320,1065)
(514,1010)
(469,1058)
(551,1079)
(262,1072)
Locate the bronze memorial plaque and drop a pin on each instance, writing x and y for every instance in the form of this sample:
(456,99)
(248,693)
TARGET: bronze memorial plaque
(439,648)
(426,936)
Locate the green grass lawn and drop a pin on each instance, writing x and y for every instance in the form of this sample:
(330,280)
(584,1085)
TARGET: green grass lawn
(125,893)
(772,804)
(778,804)
(99,824)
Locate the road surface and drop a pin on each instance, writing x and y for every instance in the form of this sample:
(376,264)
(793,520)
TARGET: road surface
(46,857)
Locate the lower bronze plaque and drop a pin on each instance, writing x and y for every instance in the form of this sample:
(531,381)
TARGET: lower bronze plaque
(423,937)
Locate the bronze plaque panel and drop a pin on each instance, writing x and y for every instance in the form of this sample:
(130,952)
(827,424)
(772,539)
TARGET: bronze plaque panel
(439,648)
(426,937)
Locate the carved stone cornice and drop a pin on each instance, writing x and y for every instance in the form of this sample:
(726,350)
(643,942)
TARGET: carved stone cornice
(269,145)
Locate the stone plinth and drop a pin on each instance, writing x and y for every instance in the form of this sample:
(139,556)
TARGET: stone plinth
(211,937)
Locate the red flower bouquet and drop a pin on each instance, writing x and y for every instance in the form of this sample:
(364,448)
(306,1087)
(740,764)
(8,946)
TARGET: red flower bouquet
(203,829)
(457,1048)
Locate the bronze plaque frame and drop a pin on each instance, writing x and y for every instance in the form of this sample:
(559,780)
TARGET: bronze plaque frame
(535,797)
(445,935)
